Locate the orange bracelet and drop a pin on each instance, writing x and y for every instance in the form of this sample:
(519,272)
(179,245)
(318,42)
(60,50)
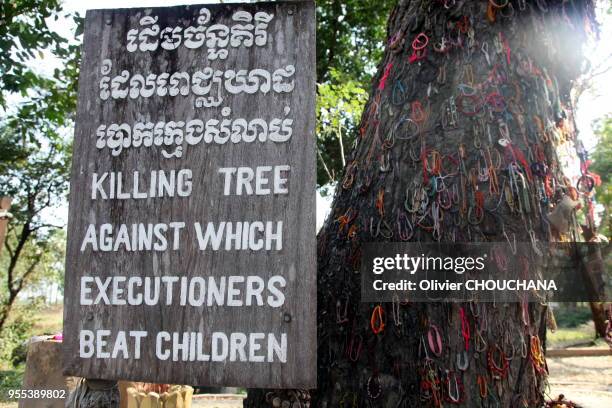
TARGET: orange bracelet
(377,321)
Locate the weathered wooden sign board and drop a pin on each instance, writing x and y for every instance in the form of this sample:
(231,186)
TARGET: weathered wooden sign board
(191,236)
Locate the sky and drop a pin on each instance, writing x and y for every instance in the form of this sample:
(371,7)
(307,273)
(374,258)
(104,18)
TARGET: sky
(592,105)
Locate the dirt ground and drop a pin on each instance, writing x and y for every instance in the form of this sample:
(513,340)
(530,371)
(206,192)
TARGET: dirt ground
(585,380)
(218,402)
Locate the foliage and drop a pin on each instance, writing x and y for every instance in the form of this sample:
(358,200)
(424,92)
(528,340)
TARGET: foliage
(33,245)
(17,331)
(573,317)
(34,157)
(602,165)
(350,40)
(339,106)
(44,103)
(10,380)
(350,35)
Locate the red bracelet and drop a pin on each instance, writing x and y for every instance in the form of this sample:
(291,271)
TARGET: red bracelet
(420,42)
(434,339)
(465,328)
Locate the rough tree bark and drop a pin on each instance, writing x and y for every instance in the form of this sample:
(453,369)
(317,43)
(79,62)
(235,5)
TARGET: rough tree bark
(477,93)
(91,393)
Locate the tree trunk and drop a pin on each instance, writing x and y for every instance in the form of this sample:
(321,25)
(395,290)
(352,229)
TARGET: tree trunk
(598,312)
(6,309)
(91,393)
(593,276)
(14,284)
(5,206)
(473,96)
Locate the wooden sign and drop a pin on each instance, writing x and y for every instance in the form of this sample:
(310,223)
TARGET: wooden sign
(191,236)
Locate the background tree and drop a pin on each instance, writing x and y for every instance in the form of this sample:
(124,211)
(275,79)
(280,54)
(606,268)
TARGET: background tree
(477,95)
(37,184)
(32,104)
(350,37)
(339,107)
(36,109)
(602,165)
(597,167)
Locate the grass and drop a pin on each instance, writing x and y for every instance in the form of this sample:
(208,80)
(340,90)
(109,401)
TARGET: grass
(572,318)
(564,337)
(10,379)
(574,327)
(49,321)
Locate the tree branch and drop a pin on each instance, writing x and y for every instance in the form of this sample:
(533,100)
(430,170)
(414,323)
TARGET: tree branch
(331,177)
(341,144)
(44,225)
(27,273)
(8,247)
